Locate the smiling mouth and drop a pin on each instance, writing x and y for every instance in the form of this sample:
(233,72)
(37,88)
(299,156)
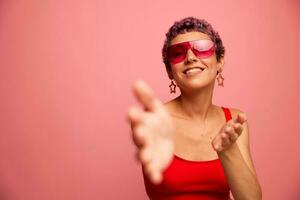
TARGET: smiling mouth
(193,70)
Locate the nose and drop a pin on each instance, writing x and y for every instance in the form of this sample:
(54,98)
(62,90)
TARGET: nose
(190,57)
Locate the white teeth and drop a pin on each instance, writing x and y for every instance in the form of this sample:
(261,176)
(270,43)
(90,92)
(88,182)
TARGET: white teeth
(192,71)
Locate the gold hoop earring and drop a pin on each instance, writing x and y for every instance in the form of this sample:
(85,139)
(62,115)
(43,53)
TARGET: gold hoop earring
(172,87)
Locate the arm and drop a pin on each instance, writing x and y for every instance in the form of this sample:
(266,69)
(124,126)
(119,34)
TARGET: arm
(238,165)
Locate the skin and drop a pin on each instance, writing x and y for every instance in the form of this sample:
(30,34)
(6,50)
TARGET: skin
(191,127)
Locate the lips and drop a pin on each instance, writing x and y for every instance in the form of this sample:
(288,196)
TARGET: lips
(193,70)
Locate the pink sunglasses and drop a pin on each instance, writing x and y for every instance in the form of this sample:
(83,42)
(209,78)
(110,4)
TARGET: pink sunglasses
(201,48)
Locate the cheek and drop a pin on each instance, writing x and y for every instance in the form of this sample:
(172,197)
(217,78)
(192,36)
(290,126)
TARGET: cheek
(176,68)
(210,62)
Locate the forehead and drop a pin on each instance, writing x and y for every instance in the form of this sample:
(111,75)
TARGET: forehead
(189,36)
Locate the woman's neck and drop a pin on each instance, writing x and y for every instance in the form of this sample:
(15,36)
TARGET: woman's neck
(197,105)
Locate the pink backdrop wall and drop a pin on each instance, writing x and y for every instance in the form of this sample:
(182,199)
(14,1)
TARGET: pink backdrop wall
(66,68)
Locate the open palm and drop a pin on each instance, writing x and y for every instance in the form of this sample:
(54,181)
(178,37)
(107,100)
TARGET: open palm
(152,129)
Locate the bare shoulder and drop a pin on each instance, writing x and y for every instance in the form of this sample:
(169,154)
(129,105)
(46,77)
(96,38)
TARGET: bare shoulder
(235,111)
(168,104)
(171,106)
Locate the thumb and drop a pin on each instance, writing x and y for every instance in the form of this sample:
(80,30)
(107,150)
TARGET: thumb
(241,118)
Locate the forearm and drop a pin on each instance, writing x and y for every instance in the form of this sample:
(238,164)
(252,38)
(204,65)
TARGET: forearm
(243,183)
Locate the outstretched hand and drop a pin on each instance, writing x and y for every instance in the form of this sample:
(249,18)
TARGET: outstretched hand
(229,133)
(152,129)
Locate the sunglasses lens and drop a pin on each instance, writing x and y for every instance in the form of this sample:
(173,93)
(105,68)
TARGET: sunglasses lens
(176,53)
(203,48)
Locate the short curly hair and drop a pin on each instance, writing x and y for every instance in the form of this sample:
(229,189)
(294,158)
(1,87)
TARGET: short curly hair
(189,24)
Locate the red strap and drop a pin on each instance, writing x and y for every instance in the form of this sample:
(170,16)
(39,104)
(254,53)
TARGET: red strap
(227,113)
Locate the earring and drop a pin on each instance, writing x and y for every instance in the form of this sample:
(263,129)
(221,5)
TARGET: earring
(172,87)
(220,79)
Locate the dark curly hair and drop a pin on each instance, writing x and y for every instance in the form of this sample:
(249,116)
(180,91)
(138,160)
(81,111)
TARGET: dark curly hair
(187,25)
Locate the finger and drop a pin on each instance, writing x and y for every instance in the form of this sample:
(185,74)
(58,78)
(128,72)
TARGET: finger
(139,136)
(241,118)
(145,155)
(145,95)
(151,169)
(227,124)
(238,128)
(217,143)
(156,177)
(229,129)
(218,147)
(231,132)
(135,115)
(155,171)
(225,140)
(233,137)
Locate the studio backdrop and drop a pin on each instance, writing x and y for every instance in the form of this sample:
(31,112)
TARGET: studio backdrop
(66,71)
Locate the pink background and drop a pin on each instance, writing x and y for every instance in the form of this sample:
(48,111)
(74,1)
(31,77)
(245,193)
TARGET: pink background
(66,70)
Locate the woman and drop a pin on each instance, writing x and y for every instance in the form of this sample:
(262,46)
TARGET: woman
(190,148)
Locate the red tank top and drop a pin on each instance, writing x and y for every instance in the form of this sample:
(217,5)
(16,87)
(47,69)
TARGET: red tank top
(191,180)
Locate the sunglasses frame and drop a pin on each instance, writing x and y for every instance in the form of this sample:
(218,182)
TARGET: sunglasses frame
(189,45)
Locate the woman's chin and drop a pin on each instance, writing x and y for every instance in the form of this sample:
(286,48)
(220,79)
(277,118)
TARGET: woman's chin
(194,88)
(197,83)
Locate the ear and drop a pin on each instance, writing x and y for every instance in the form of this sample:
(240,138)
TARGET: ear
(220,64)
